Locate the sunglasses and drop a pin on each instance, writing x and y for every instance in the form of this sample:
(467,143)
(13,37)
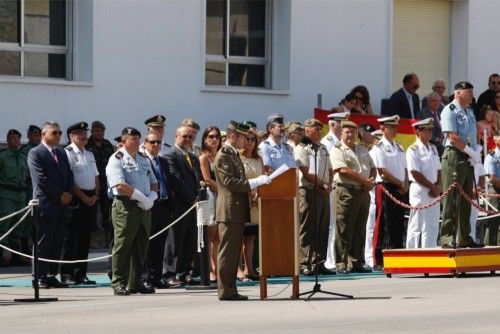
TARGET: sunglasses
(496,83)
(187,137)
(213,136)
(154,142)
(56,132)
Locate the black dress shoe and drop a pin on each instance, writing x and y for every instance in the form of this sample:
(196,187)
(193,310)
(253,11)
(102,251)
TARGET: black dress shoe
(235,297)
(343,271)
(173,282)
(121,292)
(69,280)
(86,281)
(361,270)
(144,288)
(325,271)
(449,245)
(188,279)
(54,283)
(307,272)
(160,284)
(42,284)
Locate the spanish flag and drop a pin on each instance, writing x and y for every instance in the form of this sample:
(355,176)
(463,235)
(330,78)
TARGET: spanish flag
(406,132)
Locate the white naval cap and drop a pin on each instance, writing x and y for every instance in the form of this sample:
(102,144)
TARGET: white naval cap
(339,116)
(377,133)
(390,120)
(427,123)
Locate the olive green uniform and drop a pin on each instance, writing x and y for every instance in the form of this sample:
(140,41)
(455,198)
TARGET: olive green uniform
(13,185)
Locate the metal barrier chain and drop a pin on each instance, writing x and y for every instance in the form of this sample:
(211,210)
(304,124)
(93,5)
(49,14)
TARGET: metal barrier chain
(419,207)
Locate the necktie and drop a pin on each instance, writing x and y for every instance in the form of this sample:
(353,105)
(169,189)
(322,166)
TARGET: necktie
(410,102)
(161,179)
(54,156)
(188,159)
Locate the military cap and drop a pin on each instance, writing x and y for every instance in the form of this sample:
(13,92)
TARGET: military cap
(130,131)
(367,127)
(377,133)
(98,125)
(250,124)
(312,122)
(238,127)
(295,128)
(13,132)
(191,124)
(275,118)
(288,124)
(223,133)
(118,139)
(427,123)
(156,120)
(463,85)
(339,116)
(390,120)
(34,129)
(80,126)
(261,134)
(349,124)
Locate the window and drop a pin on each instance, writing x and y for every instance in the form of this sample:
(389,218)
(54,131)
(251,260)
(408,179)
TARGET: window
(34,38)
(236,45)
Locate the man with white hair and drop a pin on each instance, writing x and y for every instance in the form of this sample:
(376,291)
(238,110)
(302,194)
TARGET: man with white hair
(438,87)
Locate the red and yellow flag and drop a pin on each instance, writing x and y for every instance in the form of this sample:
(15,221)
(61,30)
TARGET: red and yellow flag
(406,132)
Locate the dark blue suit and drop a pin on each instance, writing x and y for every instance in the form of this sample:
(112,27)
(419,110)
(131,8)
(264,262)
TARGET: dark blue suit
(50,179)
(181,240)
(398,104)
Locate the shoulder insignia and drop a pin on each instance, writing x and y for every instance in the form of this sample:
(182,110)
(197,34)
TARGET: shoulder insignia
(167,145)
(69,148)
(452,106)
(338,144)
(142,154)
(414,146)
(400,146)
(266,142)
(119,155)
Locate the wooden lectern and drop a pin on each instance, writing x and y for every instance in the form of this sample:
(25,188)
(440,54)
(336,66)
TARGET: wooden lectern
(278,231)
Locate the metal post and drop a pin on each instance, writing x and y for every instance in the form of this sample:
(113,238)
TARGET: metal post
(320,101)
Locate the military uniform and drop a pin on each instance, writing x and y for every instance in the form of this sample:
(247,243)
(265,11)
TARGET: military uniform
(77,234)
(131,223)
(274,155)
(13,186)
(423,225)
(156,120)
(388,231)
(492,167)
(456,167)
(352,202)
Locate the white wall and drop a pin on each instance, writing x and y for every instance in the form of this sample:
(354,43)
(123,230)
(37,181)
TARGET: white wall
(147,60)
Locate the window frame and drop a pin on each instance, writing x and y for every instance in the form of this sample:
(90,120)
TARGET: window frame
(24,48)
(227,59)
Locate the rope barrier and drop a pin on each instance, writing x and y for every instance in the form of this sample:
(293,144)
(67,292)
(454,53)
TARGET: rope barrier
(86,260)
(15,213)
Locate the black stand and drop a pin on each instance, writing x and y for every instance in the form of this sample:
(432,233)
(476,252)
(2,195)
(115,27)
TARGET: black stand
(317,287)
(37,298)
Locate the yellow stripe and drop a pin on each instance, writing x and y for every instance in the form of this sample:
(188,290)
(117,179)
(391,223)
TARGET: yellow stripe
(478,260)
(419,262)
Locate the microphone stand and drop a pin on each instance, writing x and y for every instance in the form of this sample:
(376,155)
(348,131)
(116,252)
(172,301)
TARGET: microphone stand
(317,287)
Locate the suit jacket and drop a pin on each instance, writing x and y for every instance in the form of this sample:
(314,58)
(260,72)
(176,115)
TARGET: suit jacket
(50,179)
(232,188)
(399,104)
(185,180)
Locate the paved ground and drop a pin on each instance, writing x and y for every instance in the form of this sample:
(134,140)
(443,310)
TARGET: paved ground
(402,304)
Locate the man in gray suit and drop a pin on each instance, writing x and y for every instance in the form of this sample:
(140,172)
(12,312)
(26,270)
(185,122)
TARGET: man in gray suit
(232,208)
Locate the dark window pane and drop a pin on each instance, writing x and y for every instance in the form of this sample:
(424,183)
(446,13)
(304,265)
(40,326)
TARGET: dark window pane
(10,63)
(215,74)
(247,27)
(45,22)
(9,21)
(215,31)
(45,65)
(246,75)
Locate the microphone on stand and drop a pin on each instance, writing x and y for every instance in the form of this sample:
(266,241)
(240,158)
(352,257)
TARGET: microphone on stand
(309,143)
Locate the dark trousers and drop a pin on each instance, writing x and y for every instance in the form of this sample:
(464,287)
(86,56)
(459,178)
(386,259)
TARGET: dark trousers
(491,234)
(180,245)
(161,216)
(50,241)
(77,238)
(389,224)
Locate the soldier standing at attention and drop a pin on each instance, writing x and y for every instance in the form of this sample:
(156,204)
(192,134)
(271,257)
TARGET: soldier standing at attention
(492,167)
(134,188)
(273,150)
(390,161)
(424,170)
(13,185)
(459,128)
(354,176)
(232,208)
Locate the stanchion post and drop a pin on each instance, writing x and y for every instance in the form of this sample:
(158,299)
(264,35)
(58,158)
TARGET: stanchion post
(37,298)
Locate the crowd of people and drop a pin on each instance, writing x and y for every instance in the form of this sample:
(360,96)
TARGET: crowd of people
(348,184)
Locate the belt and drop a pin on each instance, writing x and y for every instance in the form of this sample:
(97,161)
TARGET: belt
(124,198)
(456,150)
(350,186)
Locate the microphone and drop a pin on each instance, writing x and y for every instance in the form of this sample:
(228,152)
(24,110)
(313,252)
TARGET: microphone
(309,143)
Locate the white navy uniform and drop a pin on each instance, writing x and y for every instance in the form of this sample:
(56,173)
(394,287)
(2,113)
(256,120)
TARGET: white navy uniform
(423,225)
(84,167)
(391,157)
(329,140)
(274,155)
(370,224)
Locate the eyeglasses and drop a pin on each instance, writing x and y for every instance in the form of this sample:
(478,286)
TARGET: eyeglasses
(56,132)
(213,136)
(187,137)
(154,142)
(439,87)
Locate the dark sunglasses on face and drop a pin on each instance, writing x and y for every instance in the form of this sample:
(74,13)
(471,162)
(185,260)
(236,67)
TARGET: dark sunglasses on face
(187,137)
(56,132)
(154,142)
(213,136)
